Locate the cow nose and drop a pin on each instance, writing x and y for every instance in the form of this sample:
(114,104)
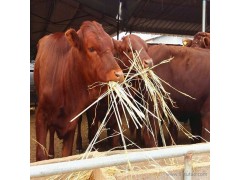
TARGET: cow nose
(148,63)
(119,75)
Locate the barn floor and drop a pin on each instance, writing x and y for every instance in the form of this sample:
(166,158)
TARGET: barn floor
(103,146)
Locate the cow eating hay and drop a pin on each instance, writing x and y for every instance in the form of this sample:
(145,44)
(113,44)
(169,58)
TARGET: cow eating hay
(121,95)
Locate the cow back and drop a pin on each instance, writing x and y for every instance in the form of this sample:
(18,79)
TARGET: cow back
(189,72)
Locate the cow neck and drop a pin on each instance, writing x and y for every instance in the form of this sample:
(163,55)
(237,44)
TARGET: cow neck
(75,86)
(177,51)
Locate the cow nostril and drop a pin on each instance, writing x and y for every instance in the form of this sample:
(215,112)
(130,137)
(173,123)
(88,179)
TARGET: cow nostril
(119,75)
(148,63)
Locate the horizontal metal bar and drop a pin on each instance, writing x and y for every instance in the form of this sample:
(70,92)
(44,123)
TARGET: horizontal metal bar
(114,160)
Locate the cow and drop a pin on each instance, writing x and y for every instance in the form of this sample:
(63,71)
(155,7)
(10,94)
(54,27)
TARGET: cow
(186,66)
(186,72)
(121,47)
(66,64)
(200,39)
(189,72)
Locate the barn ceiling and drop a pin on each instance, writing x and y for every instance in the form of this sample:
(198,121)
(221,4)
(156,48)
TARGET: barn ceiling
(182,17)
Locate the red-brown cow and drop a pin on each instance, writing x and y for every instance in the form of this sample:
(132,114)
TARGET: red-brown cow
(66,64)
(123,61)
(188,72)
(200,39)
(186,67)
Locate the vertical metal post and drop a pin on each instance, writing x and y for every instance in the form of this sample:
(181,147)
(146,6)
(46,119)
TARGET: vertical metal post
(188,166)
(118,27)
(203,15)
(119,18)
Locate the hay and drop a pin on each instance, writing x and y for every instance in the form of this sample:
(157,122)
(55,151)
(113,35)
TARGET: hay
(44,149)
(83,175)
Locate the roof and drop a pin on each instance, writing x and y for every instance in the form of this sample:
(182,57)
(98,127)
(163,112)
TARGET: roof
(183,17)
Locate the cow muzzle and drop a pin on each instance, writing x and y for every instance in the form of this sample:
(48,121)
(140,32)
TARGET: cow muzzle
(119,75)
(148,63)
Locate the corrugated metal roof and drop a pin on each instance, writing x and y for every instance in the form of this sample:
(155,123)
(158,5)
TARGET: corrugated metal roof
(156,16)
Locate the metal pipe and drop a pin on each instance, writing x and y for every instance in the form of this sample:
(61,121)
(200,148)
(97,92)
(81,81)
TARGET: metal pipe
(114,160)
(203,15)
(119,18)
(187,167)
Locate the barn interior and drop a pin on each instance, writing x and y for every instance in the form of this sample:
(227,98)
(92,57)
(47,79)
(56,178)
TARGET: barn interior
(173,17)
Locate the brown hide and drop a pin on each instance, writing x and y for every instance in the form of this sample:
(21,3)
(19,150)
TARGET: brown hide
(129,44)
(66,64)
(188,72)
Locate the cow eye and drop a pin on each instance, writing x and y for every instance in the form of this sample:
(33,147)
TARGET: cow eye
(91,49)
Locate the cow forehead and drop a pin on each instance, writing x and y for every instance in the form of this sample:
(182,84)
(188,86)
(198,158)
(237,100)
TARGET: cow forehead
(135,41)
(97,39)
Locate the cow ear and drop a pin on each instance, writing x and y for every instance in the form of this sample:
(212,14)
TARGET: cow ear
(206,42)
(72,38)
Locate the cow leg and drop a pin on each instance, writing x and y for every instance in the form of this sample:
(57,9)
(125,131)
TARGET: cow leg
(150,140)
(51,153)
(139,137)
(196,127)
(68,144)
(92,124)
(79,136)
(205,111)
(113,139)
(93,128)
(109,134)
(139,130)
(206,127)
(173,133)
(41,135)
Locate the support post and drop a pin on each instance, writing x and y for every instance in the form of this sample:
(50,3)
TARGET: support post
(203,15)
(119,18)
(188,166)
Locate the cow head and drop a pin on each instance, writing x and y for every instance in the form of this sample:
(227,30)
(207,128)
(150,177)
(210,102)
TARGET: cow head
(92,48)
(137,44)
(201,39)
